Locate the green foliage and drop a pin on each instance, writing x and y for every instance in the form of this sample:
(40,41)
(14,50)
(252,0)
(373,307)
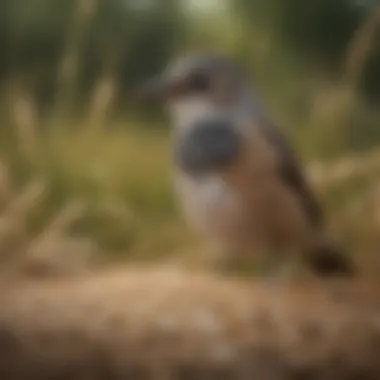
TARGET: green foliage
(318,34)
(114,36)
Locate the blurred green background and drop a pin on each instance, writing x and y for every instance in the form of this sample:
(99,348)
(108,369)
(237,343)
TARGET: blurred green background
(85,167)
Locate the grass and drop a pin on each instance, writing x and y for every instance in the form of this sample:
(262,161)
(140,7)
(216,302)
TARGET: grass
(107,193)
(106,189)
(120,179)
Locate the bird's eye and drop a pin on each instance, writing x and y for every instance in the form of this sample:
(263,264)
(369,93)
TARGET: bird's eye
(198,82)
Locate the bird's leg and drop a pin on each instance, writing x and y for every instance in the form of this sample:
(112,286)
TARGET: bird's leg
(281,268)
(224,260)
(231,261)
(220,259)
(272,267)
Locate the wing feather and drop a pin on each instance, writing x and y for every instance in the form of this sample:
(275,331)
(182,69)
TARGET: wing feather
(292,174)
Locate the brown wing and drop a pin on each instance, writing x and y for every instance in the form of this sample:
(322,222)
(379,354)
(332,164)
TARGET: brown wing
(292,174)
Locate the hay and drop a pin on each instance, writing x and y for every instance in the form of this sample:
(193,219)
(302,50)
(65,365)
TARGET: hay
(171,324)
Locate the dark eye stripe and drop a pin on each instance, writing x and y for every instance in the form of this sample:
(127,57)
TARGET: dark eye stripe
(198,82)
(176,87)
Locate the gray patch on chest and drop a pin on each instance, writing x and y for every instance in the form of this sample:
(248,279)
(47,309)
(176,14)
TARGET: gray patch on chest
(206,146)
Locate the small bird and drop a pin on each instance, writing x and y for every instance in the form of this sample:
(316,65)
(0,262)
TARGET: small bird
(236,175)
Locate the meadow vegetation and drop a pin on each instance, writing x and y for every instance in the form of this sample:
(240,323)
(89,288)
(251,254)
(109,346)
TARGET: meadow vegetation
(85,171)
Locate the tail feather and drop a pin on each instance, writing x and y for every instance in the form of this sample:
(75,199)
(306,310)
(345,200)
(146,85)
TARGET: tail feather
(329,261)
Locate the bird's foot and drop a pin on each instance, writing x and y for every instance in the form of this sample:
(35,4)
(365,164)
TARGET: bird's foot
(283,273)
(226,263)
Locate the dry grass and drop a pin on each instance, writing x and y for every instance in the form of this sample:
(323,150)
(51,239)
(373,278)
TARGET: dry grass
(51,251)
(163,323)
(110,192)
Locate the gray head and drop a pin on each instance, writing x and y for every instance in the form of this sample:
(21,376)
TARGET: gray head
(195,85)
(208,97)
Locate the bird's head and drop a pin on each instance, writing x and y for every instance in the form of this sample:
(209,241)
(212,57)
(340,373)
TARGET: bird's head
(195,85)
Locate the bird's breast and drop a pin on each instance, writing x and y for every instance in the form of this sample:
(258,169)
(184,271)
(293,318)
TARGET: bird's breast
(227,182)
(211,205)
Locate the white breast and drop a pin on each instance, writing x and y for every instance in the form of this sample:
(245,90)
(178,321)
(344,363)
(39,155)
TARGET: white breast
(210,205)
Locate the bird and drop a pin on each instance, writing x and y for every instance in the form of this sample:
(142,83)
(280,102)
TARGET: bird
(237,177)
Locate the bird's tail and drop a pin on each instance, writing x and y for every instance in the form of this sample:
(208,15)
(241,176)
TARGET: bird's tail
(326,260)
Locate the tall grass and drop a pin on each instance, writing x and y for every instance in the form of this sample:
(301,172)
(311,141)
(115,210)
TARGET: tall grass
(92,189)
(107,194)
